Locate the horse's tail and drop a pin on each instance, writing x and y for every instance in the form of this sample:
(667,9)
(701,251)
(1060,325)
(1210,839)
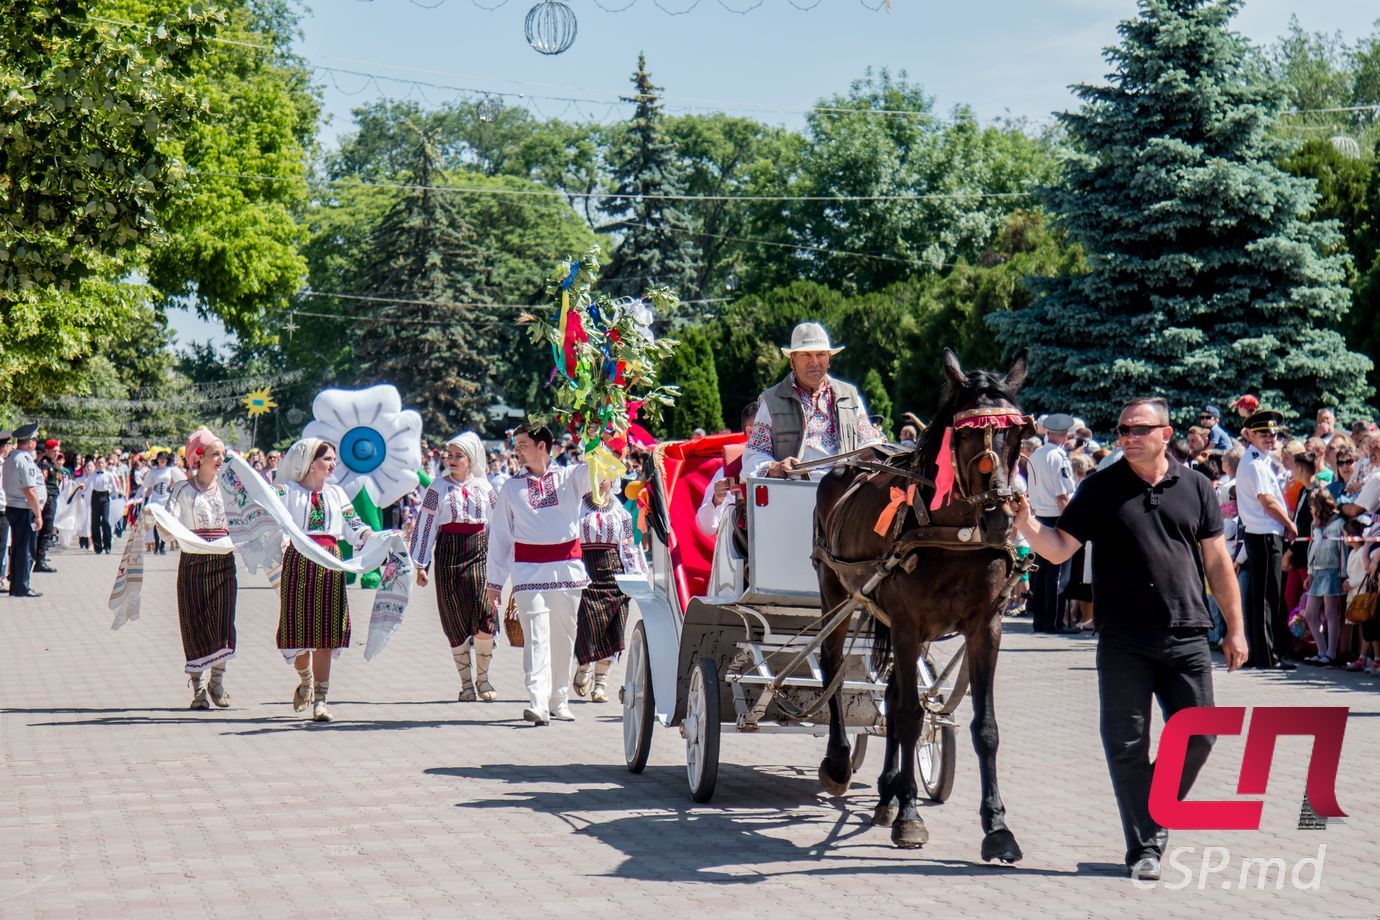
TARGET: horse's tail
(880,635)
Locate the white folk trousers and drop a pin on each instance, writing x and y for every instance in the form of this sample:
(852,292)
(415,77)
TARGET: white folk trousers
(549,622)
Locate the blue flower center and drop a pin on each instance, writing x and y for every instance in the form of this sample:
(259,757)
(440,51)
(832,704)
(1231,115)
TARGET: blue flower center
(362,450)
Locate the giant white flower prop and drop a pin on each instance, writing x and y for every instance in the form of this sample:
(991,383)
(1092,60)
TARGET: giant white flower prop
(378,442)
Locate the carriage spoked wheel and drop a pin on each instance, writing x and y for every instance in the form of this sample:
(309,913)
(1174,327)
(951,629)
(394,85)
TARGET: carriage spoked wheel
(701,729)
(936,753)
(639,711)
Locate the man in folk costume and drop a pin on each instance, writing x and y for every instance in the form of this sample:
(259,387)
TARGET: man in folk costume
(808,415)
(534,543)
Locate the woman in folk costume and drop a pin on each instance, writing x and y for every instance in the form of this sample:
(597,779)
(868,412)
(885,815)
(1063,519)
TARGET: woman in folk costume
(452,524)
(313,614)
(606,540)
(206,583)
(156,487)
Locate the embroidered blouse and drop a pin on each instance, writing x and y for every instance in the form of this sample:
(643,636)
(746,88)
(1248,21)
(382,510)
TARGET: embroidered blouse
(198,510)
(612,526)
(449,502)
(541,509)
(325,513)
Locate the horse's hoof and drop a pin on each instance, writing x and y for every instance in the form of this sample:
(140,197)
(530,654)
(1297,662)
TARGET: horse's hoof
(910,835)
(833,786)
(1000,845)
(885,815)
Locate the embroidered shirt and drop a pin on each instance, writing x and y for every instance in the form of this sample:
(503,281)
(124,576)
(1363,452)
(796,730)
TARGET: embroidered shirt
(611,525)
(541,509)
(196,509)
(449,502)
(821,433)
(326,513)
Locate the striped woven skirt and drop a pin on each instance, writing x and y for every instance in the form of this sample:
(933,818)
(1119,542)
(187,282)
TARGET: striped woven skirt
(312,608)
(206,590)
(461,560)
(603,607)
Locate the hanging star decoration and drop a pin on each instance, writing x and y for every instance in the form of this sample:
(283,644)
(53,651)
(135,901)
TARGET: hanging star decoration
(259,402)
(606,358)
(290,326)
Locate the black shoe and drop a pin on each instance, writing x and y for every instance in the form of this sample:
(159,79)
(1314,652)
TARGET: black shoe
(29,593)
(45,567)
(1283,665)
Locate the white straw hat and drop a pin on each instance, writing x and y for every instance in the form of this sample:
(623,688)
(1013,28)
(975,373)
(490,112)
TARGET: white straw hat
(810,337)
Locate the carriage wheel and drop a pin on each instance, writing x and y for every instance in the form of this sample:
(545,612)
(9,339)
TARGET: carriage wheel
(639,711)
(701,728)
(935,758)
(859,752)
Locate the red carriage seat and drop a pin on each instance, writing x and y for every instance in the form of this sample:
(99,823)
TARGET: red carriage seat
(683,470)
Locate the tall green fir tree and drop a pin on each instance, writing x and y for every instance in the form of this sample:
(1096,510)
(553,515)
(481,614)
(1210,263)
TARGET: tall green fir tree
(1204,277)
(658,246)
(428,336)
(691,367)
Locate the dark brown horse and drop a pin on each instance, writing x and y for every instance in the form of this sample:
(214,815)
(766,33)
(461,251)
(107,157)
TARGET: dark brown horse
(959,562)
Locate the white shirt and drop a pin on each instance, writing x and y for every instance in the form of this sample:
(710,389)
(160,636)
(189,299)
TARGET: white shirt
(1256,476)
(158,483)
(22,473)
(449,502)
(195,509)
(543,509)
(708,515)
(1369,497)
(1048,475)
(820,435)
(611,525)
(331,515)
(99,481)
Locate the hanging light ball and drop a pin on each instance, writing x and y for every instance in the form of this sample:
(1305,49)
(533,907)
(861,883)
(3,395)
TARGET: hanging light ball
(488,109)
(1347,147)
(550,27)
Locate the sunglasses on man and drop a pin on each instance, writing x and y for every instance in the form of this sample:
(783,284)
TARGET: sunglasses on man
(1137,431)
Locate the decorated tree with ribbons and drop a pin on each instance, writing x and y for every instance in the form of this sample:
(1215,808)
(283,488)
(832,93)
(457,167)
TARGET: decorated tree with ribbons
(607,360)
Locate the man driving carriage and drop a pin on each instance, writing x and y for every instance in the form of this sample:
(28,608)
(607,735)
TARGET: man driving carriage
(808,415)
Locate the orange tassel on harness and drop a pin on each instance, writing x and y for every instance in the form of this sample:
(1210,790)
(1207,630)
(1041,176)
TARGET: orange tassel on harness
(888,515)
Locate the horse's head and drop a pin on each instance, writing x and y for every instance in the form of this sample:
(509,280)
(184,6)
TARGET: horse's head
(985,427)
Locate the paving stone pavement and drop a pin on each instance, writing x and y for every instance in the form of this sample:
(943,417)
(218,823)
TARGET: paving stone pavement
(117,801)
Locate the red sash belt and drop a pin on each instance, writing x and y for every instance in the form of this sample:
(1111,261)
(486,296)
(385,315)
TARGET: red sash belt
(324,539)
(468,530)
(211,533)
(546,552)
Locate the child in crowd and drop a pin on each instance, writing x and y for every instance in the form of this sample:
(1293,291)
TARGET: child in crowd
(1356,566)
(1325,576)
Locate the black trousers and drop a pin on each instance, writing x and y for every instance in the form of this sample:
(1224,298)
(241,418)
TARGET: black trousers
(47,536)
(1048,585)
(22,538)
(4,544)
(1174,669)
(1264,599)
(100,521)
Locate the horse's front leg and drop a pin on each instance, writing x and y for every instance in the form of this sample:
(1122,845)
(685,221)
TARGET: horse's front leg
(998,843)
(836,770)
(908,831)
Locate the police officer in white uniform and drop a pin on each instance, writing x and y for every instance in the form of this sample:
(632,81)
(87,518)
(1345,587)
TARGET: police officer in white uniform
(1267,525)
(25,496)
(1049,481)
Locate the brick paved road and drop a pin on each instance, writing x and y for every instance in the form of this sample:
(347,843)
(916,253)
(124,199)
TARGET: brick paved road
(118,801)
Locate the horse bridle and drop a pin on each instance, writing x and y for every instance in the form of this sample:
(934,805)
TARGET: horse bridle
(987,461)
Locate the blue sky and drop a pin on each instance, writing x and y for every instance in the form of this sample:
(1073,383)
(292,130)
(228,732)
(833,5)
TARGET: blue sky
(1002,57)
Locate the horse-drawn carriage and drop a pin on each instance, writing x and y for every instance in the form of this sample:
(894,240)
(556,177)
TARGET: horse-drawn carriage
(854,585)
(749,660)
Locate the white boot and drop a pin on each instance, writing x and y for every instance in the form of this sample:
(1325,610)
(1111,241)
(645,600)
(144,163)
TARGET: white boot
(461,654)
(216,687)
(483,654)
(199,699)
(319,713)
(601,681)
(580,682)
(301,695)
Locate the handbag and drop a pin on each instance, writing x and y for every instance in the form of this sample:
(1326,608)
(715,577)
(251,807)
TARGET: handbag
(512,626)
(1362,607)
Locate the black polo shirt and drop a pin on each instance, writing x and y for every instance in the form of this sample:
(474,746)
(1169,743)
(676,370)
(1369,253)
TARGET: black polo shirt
(1147,566)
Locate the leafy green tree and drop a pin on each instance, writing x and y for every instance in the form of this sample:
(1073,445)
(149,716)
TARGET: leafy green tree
(1204,278)
(691,368)
(877,399)
(427,336)
(655,249)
